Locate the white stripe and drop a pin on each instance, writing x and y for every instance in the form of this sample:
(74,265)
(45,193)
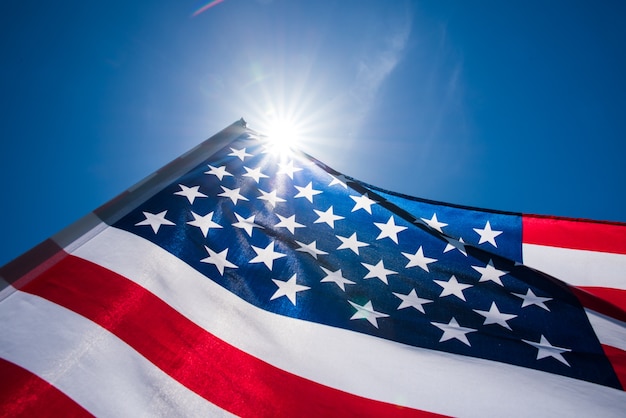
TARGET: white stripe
(610,331)
(578,267)
(353,362)
(89,364)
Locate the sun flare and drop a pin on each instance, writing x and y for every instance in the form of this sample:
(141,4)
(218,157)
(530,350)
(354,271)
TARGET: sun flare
(282,133)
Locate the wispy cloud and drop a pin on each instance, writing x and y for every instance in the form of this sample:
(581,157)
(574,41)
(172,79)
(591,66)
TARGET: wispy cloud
(375,65)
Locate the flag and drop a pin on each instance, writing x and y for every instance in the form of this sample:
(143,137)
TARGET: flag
(254,282)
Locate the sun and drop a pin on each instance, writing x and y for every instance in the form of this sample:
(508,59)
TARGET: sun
(282,133)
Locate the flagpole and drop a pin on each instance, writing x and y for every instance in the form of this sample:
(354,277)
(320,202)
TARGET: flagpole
(28,265)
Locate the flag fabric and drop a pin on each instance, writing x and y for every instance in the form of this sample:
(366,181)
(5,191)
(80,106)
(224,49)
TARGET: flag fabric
(246,281)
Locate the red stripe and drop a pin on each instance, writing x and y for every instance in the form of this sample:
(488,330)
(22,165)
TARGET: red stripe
(598,299)
(574,233)
(617,358)
(23,394)
(222,374)
(614,297)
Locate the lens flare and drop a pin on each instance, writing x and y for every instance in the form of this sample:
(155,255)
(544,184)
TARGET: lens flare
(206,7)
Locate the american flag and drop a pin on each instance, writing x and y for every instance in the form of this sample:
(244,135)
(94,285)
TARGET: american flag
(264,283)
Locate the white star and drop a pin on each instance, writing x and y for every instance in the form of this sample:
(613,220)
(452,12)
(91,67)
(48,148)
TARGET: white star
(352,243)
(367,312)
(232,194)
(545,349)
(362,202)
(255,174)
(329,217)
(452,287)
(219,172)
(494,316)
(453,330)
(487,234)
(289,223)
(204,222)
(412,301)
(418,259)
(307,192)
(490,273)
(530,299)
(240,153)
(389,230)
(271,147)
(310,248)
(218,259)
(434,223)
(379,271)
(267,146)
(452,244)
(247,224)
(336,277)
(288,288)
(288,169)
(340,179)
(266,255)
(155,220)
(271,197)
(190,192)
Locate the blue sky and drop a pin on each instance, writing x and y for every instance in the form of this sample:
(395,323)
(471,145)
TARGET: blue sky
(516,106)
